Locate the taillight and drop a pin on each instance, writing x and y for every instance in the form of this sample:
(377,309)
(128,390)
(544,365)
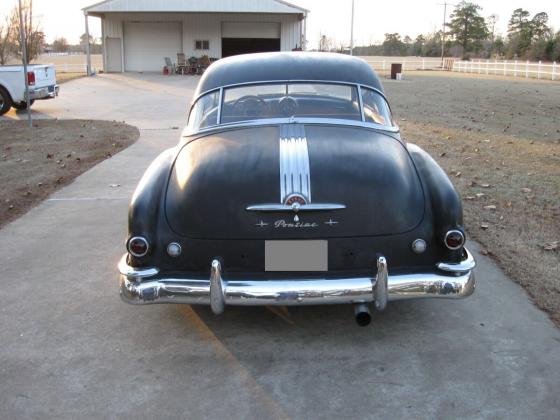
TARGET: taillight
(31,78)
(138,246)
(454,239)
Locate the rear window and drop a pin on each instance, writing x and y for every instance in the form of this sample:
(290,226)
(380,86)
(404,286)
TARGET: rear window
(289,100)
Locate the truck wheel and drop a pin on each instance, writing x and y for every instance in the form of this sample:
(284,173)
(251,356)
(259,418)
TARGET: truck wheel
(22,106)
(5,101)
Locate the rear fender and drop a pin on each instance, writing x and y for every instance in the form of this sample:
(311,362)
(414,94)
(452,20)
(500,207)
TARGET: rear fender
(445,201)
(145,209)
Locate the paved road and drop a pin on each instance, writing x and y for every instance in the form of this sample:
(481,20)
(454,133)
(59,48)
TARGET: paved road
(69,348)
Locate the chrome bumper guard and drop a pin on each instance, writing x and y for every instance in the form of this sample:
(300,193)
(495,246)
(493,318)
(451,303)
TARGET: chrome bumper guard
(144,286)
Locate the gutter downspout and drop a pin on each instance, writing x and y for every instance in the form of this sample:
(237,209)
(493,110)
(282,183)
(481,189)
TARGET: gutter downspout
(88,52)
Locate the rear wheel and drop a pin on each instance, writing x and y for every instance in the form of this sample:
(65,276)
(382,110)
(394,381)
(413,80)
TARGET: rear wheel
(22,106)
(5,101)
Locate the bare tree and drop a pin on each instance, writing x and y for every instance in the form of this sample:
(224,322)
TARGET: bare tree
(5,41)
(35,38)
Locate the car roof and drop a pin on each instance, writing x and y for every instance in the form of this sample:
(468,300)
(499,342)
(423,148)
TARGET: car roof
(288,66)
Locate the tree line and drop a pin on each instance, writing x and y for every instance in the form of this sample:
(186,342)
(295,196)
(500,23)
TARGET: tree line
(468,35)
(10,38)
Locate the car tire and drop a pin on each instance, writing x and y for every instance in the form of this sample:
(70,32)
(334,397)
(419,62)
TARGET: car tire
(22,106)
(5,101)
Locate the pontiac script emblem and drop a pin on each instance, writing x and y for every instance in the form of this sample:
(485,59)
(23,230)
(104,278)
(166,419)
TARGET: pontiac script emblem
(282,224)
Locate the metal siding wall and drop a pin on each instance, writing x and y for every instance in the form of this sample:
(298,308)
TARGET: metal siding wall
(207,26)
(110,28)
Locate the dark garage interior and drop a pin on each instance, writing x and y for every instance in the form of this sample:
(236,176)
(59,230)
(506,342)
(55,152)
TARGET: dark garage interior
(236,46)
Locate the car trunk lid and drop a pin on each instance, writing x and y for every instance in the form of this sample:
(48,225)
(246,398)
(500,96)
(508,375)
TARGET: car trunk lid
(219,181)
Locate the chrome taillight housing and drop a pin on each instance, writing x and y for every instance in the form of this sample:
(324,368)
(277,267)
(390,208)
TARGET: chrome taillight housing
(454,239)
(138,246)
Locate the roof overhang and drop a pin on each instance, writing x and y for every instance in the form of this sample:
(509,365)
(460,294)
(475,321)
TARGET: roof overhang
(193,6)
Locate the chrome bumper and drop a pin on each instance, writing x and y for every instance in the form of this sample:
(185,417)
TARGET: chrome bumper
(48,92)
(145,286)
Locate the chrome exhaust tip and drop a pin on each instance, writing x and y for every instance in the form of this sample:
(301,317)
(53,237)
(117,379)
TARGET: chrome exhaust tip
(362,314)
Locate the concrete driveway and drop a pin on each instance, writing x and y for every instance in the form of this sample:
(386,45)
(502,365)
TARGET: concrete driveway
(71,349)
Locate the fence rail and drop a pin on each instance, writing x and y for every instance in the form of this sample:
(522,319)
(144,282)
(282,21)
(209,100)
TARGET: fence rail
(515,68)
(410,64)
(71,68)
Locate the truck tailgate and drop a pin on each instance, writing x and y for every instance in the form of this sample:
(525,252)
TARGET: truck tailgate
(45,75)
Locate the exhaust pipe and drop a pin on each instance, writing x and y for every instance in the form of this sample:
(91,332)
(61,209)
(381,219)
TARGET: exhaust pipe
(362,314)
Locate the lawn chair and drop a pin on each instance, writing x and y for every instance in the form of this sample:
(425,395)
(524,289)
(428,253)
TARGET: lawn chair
(170,66)
(182,65)
(193,65)
(203,64)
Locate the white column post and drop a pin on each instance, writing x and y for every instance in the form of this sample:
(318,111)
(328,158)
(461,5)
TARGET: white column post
(527,69)
(539,70)
(505,67)
(515,69)
(554,71)
(88,53)
(496,66)
(423,64)
(487,65)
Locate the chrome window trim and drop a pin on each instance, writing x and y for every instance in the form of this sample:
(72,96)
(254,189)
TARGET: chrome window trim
(249,123)
(361,102)
(280,82)
(220,102)
(276,121)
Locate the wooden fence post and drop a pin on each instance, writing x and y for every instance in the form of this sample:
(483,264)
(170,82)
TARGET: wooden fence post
(539,70)
(505,66)
(515,69)
(487,65)
(554,71)
(496,66)
(527,69)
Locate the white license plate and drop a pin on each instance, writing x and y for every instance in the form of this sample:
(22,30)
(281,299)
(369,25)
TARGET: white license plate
(296,255)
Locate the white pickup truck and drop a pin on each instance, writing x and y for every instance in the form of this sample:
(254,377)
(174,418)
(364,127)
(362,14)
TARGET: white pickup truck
(42,85)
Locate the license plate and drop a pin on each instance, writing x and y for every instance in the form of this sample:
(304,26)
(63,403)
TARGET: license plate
(296,255)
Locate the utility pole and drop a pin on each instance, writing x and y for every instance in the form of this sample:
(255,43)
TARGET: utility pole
(23,38)
(352,31)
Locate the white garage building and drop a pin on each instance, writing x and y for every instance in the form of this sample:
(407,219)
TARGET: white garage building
(138,34)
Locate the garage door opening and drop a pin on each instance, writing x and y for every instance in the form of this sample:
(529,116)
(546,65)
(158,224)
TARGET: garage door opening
(236,46)
(249,37)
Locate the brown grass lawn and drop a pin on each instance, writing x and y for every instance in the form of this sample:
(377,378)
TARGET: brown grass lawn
(66,77)
(35,162)
(499,141)
(511,198)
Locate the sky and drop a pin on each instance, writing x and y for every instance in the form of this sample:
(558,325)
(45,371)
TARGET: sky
(373,18)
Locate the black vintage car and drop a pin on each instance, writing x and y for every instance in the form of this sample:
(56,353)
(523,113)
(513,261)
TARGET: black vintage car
(292,186)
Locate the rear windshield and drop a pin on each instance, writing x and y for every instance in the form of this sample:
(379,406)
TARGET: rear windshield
(287,100)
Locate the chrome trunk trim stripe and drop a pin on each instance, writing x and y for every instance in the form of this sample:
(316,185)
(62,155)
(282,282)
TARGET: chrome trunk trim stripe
(305,207)
(295,177)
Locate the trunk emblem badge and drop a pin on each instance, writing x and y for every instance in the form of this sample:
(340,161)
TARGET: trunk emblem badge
(295,201)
